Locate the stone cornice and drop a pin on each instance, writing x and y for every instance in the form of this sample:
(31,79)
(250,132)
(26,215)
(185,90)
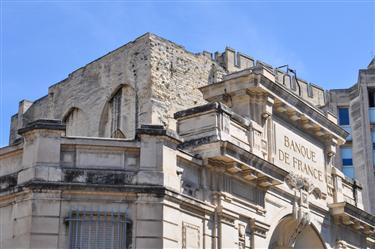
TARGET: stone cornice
(251,159)
(350,215)
(43,124)
(259,165)
(304,107)
(217,106)
(158,130)
(259,80)
(35,184)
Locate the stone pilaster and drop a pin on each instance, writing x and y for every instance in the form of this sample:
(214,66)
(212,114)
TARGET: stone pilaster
(41,155)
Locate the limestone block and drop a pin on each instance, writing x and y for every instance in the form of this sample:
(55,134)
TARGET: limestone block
(229,236)
(26,175)
(18,242)
(54,174)
(132,162)
(179,73)
(170,243)
(45,225)
(359,198)
(171,215)
(22,209)
(239,136)
(150,177)
(170,231)
(6,224)
(43,241)
(241,106)
(171,179)
(46,207)
(48,150)
(11,163)
(151,154)
(206,122)
(150,211)
(41,173)
(100,159)
(149,243)
(149,228)
(68,158)
(22,226)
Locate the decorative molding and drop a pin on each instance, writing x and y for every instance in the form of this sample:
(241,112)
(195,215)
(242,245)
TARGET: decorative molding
(43,124)
(259,228)
(186,228)
(298,182)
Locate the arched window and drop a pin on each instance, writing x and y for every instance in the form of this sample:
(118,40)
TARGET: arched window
(118,116)
(115,103)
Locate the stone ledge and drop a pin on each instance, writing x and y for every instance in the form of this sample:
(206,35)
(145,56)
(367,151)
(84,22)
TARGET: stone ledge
(157,130)
(244,161)
(46,124)
(220,107)
(34,184)
(349,215)
(304,106)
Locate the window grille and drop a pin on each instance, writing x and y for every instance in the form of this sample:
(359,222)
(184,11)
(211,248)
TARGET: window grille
(99,230)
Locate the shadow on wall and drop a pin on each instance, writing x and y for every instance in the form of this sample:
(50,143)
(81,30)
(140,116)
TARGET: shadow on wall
(76,122)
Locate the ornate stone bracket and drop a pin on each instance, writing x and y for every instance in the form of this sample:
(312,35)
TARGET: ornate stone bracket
(301,211)
(298,182)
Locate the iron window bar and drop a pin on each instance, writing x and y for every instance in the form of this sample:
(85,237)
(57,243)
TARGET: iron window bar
(90,229)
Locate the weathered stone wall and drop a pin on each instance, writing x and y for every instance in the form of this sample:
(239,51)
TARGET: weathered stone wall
(176,75)
(90,88)
(16,221)
(10,161)
(158,78)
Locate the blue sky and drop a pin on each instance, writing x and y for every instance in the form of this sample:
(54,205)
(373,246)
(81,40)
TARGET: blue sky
(43,41)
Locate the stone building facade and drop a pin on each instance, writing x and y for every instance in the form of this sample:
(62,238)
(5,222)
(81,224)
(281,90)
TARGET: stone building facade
(152,146)
(355,109)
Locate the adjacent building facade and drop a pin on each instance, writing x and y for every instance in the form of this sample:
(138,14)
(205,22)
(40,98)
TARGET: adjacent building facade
(355,109)
(152,146)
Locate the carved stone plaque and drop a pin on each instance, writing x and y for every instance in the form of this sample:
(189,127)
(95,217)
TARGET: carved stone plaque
(296,152)
(190,236)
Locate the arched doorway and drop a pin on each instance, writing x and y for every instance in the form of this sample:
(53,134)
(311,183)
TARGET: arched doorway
(290,233)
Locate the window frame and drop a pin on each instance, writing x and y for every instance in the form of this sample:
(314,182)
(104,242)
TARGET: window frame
(341,120)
